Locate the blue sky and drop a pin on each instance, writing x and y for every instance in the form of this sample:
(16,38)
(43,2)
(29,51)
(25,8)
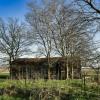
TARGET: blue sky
(18,8)
(13,8)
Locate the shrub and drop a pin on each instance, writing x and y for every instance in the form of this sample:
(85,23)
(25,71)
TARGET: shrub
(4,76)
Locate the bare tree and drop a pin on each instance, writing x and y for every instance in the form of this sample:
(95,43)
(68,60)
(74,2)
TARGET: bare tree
(61,30)
(12,40)
(70,35)
(39,20)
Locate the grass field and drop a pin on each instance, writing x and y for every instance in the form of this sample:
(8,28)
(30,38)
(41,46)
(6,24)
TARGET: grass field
(28,89)
(56,88)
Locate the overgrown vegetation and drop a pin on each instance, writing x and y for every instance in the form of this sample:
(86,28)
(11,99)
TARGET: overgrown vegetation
(49,90)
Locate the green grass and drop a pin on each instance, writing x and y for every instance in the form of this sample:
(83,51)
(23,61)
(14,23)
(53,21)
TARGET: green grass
(73,87)
(57,84)
(39,83)
(6,97)
(4,75)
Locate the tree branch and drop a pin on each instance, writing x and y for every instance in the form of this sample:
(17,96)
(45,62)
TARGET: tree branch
(90,3)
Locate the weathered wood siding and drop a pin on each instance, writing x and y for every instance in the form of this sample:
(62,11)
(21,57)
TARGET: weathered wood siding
(35,69)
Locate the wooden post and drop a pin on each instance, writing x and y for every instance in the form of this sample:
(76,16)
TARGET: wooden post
(49,76)
(72,72)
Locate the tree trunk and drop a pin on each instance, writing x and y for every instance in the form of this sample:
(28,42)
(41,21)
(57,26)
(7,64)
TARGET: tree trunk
(67,69)
(10,69)
(49,72)
(67,72)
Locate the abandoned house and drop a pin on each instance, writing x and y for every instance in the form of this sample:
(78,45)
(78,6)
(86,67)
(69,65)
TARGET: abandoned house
(40,68)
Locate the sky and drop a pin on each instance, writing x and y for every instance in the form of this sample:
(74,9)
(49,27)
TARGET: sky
(18,8)
(13,8)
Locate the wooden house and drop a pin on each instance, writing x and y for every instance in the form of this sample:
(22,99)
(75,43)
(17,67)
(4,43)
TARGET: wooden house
(37,68)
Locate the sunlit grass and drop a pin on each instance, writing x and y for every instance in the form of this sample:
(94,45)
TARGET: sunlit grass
(69,86)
